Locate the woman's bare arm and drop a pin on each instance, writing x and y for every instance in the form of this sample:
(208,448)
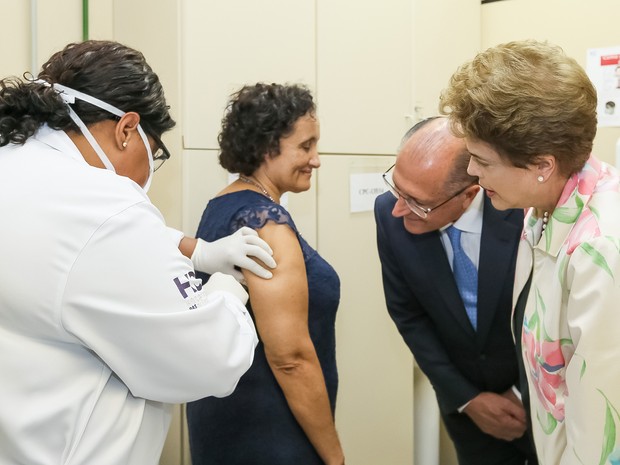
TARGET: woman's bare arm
(281,311)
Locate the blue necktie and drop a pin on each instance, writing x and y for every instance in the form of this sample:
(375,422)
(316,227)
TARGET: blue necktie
(465,275)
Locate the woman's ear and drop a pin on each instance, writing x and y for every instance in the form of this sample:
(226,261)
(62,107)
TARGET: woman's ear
(126,129)
(545,166)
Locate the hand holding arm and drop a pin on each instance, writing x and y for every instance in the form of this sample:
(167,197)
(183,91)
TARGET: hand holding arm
(498,415)
(229,252)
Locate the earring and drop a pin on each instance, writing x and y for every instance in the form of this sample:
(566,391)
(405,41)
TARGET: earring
(125,146)
(540,179)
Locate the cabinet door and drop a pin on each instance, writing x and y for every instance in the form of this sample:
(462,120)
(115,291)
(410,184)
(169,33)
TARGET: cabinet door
(16,34)
(203,178)
(19,53)
(374,413)
(226,44)
(446,33)
(363,74)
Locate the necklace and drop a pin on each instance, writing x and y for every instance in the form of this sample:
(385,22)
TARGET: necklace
(256,184)
(545,220)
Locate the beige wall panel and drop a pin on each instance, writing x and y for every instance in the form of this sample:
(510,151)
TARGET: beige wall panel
(363,74)
(203,178)
(172,453)
(14,38)
(60,22)
(374,413)
(186,454)
(446,33)
(101,20)
(153,28)
(227,44)
(574,25)
(51,34)
(303,209)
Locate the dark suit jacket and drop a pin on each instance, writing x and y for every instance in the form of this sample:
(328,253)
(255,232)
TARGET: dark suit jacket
(424,302)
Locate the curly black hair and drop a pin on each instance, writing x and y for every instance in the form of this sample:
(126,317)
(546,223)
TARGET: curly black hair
(107,70)
(256,118)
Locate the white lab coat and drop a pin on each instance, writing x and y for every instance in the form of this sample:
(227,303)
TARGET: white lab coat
(102,325)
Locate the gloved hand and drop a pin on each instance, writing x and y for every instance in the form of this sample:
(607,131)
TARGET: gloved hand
(234,250)
(223,282)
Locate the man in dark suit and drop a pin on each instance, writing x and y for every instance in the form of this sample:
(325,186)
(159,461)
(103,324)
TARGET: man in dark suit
(451,301)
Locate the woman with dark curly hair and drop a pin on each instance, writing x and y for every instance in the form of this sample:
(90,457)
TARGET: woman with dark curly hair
(103,324)
(281,412)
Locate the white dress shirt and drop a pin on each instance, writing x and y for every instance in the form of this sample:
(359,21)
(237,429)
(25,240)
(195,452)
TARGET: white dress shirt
(470,223)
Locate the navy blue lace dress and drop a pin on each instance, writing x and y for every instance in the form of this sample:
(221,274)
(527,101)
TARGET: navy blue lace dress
(254,425)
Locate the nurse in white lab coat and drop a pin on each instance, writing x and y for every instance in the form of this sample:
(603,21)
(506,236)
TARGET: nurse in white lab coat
(103,324)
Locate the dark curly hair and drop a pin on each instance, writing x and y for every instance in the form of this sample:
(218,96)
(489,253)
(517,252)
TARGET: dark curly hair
(107,70)
(256,118)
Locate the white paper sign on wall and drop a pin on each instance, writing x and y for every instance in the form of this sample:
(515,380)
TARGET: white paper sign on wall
(364,188)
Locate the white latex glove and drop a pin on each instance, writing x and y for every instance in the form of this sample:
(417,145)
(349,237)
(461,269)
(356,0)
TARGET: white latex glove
(224,282)
(233,251)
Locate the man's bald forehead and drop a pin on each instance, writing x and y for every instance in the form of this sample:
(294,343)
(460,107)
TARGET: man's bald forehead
(431,140)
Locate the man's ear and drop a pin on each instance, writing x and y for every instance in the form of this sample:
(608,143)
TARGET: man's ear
(472,191)
(470,194)
(126,129)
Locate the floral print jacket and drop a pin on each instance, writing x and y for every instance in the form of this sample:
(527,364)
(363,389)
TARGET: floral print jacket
(570,341)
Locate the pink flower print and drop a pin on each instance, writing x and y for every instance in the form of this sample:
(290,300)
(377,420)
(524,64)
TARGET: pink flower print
(547,365)
(585,229)
(608,184)
(589,176)
(569,188)
(608,180)
(584,181)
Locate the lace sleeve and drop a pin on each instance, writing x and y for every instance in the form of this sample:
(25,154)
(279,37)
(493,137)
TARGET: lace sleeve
(256,216)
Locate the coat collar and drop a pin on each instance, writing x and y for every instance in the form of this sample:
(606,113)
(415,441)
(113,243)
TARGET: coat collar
(574,199)
(573,220)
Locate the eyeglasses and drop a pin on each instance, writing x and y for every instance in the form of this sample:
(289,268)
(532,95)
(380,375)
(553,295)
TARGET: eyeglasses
(419,210)
(161,154)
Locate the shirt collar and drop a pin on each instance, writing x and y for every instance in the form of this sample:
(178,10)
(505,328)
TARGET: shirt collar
(58,140)
(471,219)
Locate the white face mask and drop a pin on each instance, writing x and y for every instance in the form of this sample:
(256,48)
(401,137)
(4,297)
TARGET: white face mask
(69,95)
